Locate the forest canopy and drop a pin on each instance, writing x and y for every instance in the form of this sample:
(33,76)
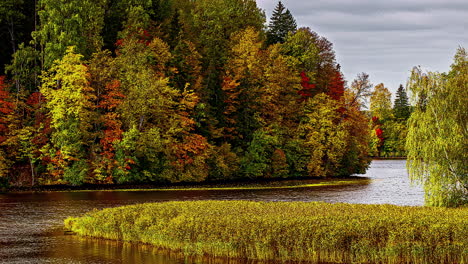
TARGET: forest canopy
(172,91)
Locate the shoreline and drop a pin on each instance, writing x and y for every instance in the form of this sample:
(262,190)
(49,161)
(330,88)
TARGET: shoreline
(246,184)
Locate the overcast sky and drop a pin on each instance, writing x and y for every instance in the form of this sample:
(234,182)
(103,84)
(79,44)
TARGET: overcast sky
(385,38)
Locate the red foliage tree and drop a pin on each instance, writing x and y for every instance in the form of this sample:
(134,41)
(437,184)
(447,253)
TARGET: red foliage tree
(307,88)
(375,120)
(113,132)
(35,103)
(6,108)
(379,133)
(336,86)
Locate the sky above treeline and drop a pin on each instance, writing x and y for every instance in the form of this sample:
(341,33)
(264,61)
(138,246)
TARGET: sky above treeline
(386,39)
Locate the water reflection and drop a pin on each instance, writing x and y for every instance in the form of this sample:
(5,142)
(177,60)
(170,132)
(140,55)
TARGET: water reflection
(31,223)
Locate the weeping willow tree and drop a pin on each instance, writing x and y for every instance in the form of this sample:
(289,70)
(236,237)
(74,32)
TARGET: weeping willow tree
(437,141)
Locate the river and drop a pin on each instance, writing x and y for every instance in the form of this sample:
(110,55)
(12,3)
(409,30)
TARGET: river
(31,223)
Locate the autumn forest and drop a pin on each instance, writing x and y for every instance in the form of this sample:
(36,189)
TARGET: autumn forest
(181,91)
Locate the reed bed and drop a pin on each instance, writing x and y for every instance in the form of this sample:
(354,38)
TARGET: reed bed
(288,231)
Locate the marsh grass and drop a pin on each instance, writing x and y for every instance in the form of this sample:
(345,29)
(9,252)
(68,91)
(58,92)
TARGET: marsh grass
(288,231)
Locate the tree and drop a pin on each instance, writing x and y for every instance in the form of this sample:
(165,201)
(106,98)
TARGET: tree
(302,49)
(224,163)
(380,102)
(356,158)
(360,90)
(17,21)
(336,87)
(25,69)
(281,23)
(257,160)
(438,133)
(279,94)
(401,107)
(314,55)
(6,109)
(241,86)
(215,22)
(71,23)
(112,134)
(69,100)
(308,88)
(324,135)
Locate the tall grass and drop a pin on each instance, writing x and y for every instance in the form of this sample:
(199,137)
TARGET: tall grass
(288,231)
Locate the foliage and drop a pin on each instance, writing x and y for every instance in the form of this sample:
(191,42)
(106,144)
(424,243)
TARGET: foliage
(16,23)
(401,107)
(302,49)
(257,160)
(25,68)
(380,102)
(281,24)
(285,232)
(69,96)
(437,133)
(324,135)
(6,110)
(74,23)
(185,91)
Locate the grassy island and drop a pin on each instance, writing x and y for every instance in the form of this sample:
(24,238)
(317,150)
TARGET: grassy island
(288,231)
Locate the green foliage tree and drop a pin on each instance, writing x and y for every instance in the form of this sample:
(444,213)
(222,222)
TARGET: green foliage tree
(257,160)
(401,107)
(303,51)
(324,135)
(72,23)
(69,100)
(395,138)
(25,69)
(281,24)
(438,132)
(314,56)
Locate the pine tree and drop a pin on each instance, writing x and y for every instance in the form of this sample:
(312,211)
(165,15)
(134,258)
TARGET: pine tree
(281,23)
(401,108)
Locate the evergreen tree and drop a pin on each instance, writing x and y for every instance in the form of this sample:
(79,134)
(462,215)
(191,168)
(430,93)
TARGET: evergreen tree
(281,23)
(401,108)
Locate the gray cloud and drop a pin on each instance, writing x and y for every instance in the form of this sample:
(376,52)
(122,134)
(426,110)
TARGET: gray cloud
(385,38)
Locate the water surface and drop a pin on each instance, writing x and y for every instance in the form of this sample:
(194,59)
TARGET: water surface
(31,223)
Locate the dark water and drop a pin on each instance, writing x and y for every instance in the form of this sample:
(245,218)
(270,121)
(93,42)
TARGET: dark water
(31,223)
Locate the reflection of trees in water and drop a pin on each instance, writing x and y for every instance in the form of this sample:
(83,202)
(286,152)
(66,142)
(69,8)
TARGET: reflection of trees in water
(108,251)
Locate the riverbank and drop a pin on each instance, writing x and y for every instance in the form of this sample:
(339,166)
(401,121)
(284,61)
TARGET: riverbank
(233,185)
(287,231)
